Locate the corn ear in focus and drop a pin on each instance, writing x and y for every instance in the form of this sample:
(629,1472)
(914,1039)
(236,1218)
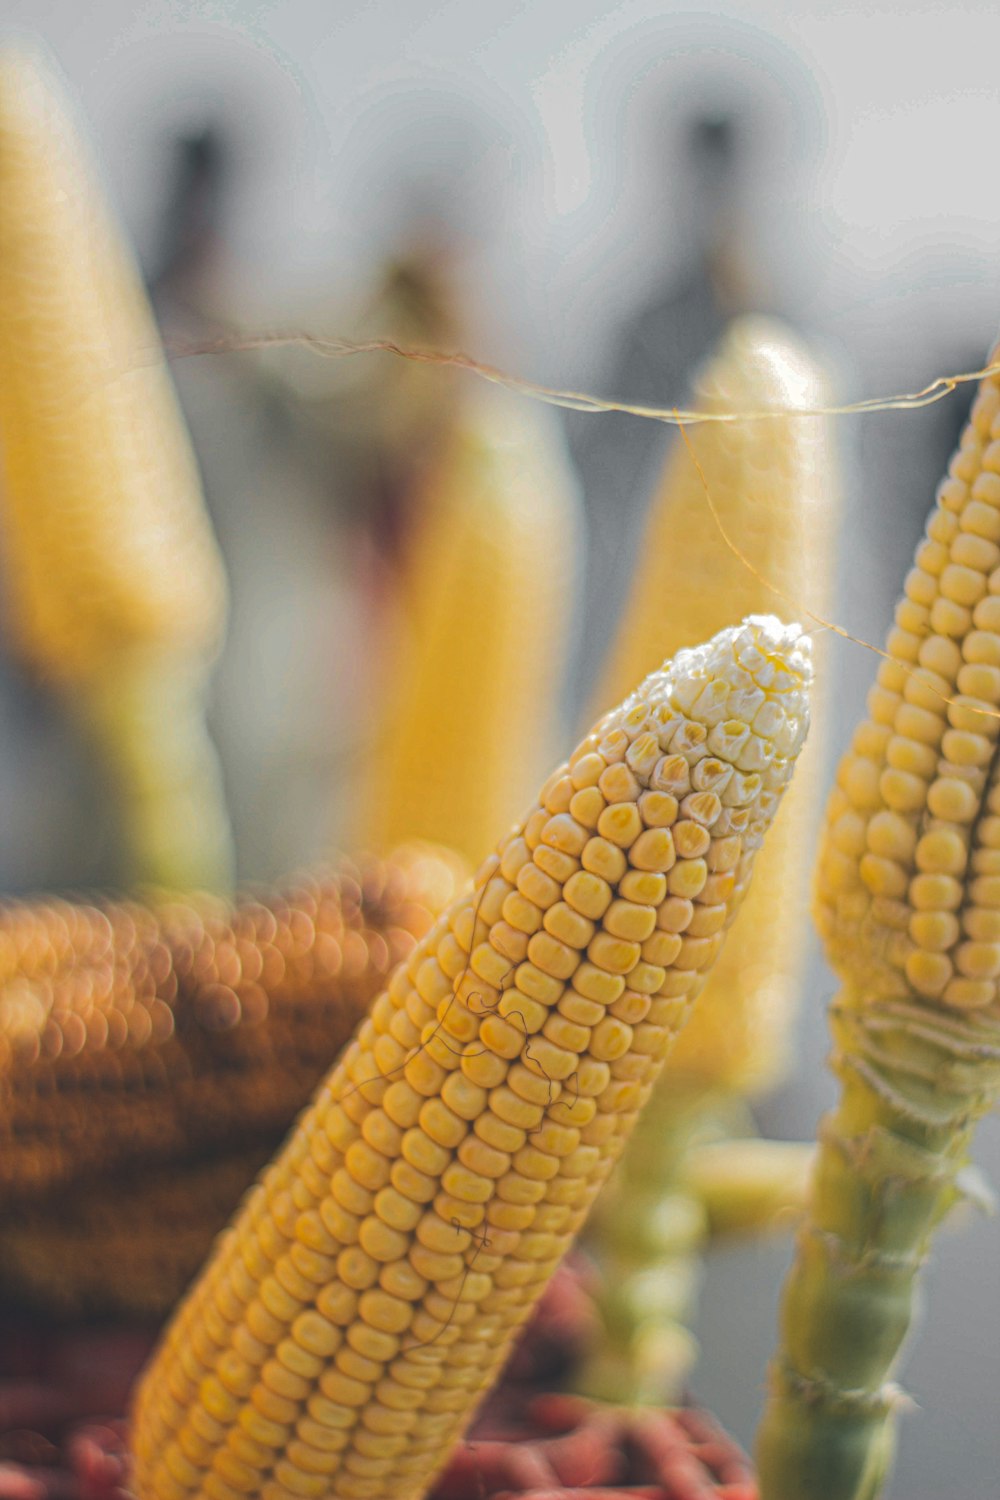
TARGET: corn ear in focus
(368,1293)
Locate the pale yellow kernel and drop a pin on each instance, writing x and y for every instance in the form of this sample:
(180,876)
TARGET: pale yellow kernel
(920,587)
(935,931)
(986,616)
(615,955)
(552,1062)
(586,771)
(646,887)
(623,919)
(658,809)
(687,878)
(553,862)
(962,585)
(883,877)
(676,912)
(981,924)
(620,824)
(690,839)
(441,1124)
(935,893)
(553,957)
(724,855)
(928,973)
(672,774)
(952,800)
(619,784)
(588,894)
(568,926)
(647,978)
(537,886)
(942,851)
(511,1109)
(565,834)
(969,994)
(587,806)
(605,859)
(537,988)
(660,949)
(566,1034)
(902,791)
(501,1037)
(980,680)
(596,984)
(522,913)
(891,836)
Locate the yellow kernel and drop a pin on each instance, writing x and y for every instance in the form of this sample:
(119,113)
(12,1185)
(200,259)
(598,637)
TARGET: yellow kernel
(412,1183)
(603,858)
(969,994)
(982,925)
(883,877)
(942,851)
(501,1037)
(610,1039)
(587,806)
(687,878)
(615,955)
(903,792)
(567,925)
(554,958)
(654,850)
(578,1008)
(618,784)
(560,866)
(935,893)
(952,800)
(587,771)
(566,1034)
(977,960)
(891,837)
(534,988)
(662,948)
(383,1312)
(625,920)
(439,1123)
(935,931)
(596,984)
(620,824)
(537,886)
(423,1153)
(565,834)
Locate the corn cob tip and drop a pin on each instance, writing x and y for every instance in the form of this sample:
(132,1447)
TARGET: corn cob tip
(749,687)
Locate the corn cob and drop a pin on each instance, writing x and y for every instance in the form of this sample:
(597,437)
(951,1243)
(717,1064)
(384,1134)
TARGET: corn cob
(130,1039)
(771,484)
(370,1288)
(908,904)
(490,575)
(117,591)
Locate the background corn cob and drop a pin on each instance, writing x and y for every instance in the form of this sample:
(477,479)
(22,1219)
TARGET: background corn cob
(116,589)
(908,903)
(486,596)
(370,1289)
(130,1039)
(773,486)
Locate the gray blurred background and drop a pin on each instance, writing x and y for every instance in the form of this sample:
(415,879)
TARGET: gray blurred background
(602,184)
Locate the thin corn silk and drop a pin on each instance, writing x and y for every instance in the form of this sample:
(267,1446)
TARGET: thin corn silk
(680,417)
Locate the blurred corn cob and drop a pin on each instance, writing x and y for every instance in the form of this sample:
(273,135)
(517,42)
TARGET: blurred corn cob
(148,1044)
(372,1285)
(116,589)
(908,905)
(485,601)
(771,484)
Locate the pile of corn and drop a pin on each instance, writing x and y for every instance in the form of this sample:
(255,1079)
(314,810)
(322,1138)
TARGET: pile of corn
(150,1062)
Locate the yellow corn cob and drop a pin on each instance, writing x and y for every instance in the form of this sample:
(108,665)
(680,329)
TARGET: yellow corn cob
(772,485)
(908,905)
(113,577)
(370,1288)
(482,635)
(130,1039)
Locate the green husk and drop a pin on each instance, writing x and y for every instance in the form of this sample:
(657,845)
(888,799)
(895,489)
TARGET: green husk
(915,1082)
